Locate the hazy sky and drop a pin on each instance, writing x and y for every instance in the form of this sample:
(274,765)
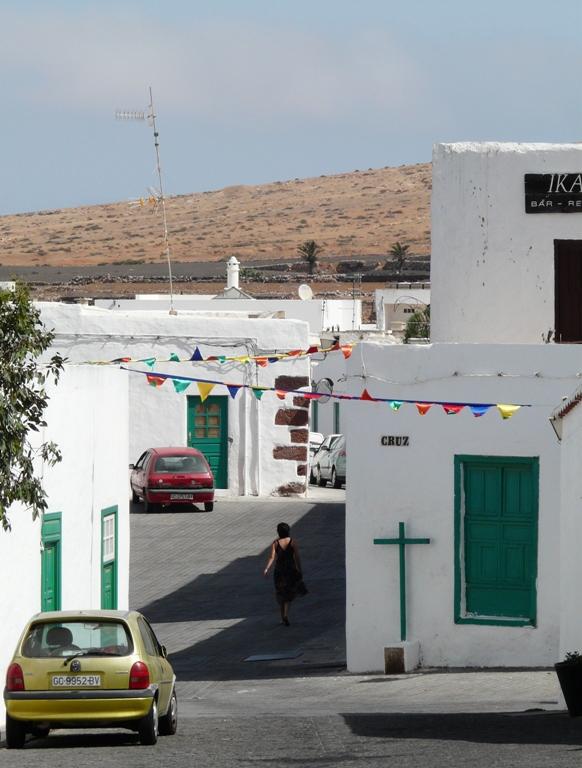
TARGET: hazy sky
(250,91)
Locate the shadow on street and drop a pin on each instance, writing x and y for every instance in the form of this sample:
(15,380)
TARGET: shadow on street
(240,594)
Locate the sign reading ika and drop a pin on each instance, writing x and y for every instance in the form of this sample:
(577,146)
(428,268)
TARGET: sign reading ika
(553,192)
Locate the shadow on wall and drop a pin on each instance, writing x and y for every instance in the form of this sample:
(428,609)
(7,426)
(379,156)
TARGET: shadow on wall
(239,593)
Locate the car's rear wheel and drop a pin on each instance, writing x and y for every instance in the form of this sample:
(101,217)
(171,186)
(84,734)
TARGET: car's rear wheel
(169,722)
(15,733)
(208,506)
(334,479)
(149,726)
(319,479)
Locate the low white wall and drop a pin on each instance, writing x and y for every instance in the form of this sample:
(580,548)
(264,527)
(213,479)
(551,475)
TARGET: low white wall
(415,485)
(320,314)
(87,417)
(571,534)
(492,265)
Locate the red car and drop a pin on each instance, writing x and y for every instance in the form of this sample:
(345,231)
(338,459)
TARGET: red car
(172,476)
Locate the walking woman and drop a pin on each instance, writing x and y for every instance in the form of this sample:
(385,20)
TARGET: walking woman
(287,572)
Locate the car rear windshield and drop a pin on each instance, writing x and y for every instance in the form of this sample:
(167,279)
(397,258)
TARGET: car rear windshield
(177,464)
(81,637)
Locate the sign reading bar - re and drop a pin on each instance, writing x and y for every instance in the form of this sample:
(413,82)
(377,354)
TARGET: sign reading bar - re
(553,192)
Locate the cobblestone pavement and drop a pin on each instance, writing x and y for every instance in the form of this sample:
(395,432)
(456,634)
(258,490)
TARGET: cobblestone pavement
(198,577)
(204,591)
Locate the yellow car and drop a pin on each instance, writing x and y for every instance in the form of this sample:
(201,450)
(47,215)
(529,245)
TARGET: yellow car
(89,669)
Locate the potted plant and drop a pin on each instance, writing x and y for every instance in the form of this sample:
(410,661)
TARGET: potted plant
(569,674)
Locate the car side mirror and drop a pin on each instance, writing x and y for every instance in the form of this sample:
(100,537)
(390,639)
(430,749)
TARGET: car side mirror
(163,651)
(132,466)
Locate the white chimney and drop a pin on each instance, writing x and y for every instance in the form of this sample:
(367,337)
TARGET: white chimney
(232,267)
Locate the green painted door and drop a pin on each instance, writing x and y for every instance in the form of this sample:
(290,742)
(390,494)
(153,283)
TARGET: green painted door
(50,566)
(109,558)
(500,537)
(208,432)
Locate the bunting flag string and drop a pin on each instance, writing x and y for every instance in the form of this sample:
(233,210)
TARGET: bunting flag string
(262,360)
(205,387)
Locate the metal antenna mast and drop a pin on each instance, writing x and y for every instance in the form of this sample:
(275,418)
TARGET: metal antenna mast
(151,117)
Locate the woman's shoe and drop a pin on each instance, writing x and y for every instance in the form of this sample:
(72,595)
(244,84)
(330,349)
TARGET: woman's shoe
(286,621)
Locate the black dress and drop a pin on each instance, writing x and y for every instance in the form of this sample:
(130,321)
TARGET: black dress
(287,577)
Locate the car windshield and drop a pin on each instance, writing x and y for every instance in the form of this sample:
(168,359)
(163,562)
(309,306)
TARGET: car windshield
(177,464)
(80,637)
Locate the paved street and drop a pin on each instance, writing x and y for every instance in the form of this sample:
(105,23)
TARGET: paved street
(198,576)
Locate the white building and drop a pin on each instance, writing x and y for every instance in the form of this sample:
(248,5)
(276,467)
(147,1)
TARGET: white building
(320,314)
(394,305)
(488,590)
(256,443)
(77,555)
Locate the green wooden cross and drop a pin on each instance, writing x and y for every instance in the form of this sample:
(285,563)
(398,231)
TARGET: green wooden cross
(402,541)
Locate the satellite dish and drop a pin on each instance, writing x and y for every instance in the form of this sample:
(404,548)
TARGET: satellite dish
(305,292)
(324,387)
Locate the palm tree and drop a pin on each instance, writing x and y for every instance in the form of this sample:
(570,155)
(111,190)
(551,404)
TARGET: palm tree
(309,251)
(399,253)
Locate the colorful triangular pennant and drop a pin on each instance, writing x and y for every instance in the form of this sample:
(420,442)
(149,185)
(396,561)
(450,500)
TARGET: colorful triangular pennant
(205,389)
(280,394)
(258,393)
(452,408)
(174,358)
(149,361)
(180,385)
(395,404)
(507,411)
(155,381)
(423,408)
(346,350)
(196,355)
(479,410)
(366,395)
(233,390)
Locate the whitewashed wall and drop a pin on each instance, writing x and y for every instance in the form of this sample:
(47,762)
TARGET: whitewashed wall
(87,417)
(415,485)
(320,314)
(158,415)
(492,265)
(571,534)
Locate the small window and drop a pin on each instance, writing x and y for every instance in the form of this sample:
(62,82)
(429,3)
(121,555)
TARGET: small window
(149,639)
(177,464)
(141,461)
(108,538)
(68,638)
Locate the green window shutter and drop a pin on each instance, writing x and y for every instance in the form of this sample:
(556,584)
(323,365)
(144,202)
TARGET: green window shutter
(314,416)
(50,564)
(336,418)
(499,543)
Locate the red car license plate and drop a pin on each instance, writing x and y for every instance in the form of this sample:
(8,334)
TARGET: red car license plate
(181,496)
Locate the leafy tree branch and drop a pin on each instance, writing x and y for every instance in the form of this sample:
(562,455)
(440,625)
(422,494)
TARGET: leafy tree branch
(23,400)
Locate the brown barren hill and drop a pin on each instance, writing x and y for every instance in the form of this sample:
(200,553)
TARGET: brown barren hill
(361,213)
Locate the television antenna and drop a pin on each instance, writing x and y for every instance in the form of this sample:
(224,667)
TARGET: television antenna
(157,194)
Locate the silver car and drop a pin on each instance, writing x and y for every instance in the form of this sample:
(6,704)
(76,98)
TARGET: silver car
(329,463)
